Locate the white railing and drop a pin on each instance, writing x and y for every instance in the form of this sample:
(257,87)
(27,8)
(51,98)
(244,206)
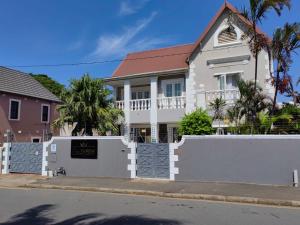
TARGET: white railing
(229,95)
(171,102)
(140,104)
(119,105)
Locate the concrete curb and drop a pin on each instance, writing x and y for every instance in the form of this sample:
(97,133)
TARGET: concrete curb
(220,198)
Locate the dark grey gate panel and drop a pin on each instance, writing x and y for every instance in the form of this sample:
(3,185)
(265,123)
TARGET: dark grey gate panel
(153,160)
(26,158)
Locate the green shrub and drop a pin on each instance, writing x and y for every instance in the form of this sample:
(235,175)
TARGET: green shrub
(196,123)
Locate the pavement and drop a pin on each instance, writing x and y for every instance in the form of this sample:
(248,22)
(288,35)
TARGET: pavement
(29,206)
(227,192)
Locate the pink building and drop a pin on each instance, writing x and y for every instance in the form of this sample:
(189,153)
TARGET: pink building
(27,108)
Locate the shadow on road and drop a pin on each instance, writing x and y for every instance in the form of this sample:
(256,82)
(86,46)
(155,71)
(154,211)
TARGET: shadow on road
(39,216)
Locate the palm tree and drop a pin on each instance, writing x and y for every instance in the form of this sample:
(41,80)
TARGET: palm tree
(256,12)
(87,104)
(251,101)
(217,106)
(286,41)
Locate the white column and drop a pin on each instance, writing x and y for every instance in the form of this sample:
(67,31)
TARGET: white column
(153,111)
(5,161)
(190,89)
(127,91)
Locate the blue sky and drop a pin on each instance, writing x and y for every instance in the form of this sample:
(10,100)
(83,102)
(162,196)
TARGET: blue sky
(67,31)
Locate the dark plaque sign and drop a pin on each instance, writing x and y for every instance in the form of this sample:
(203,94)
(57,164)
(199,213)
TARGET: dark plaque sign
(84,149)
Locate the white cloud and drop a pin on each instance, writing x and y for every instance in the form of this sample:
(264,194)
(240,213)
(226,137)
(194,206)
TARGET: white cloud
(129,7)
(118,45)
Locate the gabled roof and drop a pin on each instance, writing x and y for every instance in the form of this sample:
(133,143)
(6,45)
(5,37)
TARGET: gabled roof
(225,6)
(16,82)
(170,58)
(158,60)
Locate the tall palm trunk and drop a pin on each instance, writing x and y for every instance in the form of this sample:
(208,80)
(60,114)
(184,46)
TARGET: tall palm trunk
(276,91)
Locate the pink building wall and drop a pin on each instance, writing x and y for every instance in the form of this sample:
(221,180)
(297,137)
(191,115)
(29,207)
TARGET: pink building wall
(29,126)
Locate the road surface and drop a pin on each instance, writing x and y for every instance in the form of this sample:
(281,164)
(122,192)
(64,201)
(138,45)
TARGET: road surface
(42,207)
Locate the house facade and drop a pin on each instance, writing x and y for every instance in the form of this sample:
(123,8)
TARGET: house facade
(27,109)
(156,88)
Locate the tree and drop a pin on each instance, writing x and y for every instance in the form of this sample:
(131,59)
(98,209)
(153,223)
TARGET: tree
(217,106)
(251,102)
(286,41)
(52,85)
(87,104)
(196,123)
(256,12)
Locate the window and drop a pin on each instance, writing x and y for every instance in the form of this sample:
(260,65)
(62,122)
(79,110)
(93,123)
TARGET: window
(169,90)
(133,95)
(36,140)
(147,94)
(140,95)
(45,113)
(228,81)
(173,87)
(14,109)
(178,89)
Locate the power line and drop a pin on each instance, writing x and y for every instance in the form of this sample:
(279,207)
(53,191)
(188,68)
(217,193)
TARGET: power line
(111,61)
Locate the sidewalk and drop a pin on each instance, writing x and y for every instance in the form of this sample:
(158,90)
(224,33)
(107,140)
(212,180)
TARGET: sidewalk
(228,192)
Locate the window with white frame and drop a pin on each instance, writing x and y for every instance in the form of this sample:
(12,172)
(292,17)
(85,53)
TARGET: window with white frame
(169,90)
(14,109)
(140,95)
(173,88)
(45,113)
(228,81)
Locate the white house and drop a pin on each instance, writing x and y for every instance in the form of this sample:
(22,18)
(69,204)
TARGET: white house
(156,88)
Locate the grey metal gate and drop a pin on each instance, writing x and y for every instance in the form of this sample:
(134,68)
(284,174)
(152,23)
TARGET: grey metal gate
(26,158)
(153,160)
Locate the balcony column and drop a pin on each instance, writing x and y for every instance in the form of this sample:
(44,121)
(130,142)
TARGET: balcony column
(127,91)
(153,111)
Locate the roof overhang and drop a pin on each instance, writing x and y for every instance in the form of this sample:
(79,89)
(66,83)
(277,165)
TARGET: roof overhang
(115,81)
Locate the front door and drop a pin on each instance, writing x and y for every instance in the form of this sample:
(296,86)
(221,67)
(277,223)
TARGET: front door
(163,133)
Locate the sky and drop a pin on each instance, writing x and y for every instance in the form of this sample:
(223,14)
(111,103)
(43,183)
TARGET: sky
(35,32)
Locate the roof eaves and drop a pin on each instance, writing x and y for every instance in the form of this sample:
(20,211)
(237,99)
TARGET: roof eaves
(152,73)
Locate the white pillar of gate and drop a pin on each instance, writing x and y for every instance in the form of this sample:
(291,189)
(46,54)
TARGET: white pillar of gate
(5,158)
(153,111)
(127,91)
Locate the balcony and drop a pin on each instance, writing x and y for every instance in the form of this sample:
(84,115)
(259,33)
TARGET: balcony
(229,95)
(177,102)
(162,103)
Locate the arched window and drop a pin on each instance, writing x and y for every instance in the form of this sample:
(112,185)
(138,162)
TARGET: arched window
(228,35)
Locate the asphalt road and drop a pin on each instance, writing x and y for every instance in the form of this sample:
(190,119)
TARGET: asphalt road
(36,207)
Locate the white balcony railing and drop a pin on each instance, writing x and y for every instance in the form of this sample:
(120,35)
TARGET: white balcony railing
(177,102)
(229,95)
(162,103)
(119,105)
(140,104)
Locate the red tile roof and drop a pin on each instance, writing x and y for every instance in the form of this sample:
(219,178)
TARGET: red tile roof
(170,58)
(158,60)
